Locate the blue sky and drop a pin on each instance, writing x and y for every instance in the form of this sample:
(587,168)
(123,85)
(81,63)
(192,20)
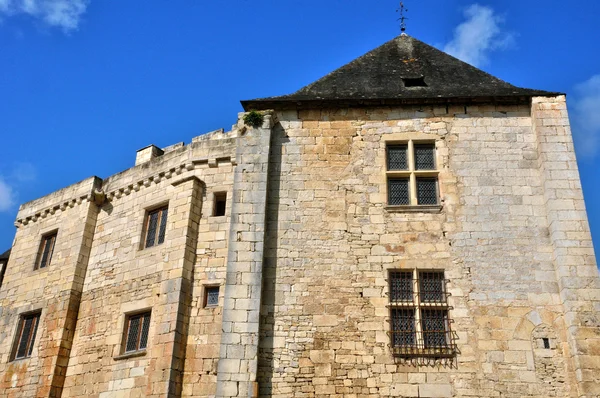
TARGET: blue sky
(85,83)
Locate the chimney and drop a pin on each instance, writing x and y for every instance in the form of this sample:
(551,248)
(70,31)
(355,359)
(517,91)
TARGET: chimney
(148,153)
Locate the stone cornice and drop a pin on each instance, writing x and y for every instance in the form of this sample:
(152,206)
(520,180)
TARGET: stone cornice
(98,196)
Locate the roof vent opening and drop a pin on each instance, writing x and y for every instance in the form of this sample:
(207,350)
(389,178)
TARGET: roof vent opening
(414,82)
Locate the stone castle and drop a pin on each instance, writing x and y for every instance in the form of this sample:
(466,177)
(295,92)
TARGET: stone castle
(406,226)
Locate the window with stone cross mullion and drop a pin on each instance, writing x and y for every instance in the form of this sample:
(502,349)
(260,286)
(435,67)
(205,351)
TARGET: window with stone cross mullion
(407,172)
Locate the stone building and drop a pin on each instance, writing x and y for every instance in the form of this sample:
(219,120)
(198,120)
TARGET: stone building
(406,226)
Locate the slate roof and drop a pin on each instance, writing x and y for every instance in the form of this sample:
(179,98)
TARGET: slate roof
(5,255)
(377,77)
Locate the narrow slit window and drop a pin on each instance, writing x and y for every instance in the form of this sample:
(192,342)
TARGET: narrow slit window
(220,204)
(156,227)
(46,250)
(26,333)
(137,328)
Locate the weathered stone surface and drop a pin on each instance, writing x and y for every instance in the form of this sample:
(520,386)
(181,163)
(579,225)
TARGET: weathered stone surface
(302,256)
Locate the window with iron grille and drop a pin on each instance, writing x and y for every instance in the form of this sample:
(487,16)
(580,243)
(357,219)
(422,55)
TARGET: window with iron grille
(156,227)
(211,296)
(412,175)
(26,332)
(419,321)
(137,327)
(45,251)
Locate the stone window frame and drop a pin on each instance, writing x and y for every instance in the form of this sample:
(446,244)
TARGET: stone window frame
(138,351)
(205,292)
(417,345)
(219,196)
(412,174)
(33,335)
(161,208)
(47,239)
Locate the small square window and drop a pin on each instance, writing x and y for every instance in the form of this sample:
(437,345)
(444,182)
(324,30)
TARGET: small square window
(45,251)
(156,227)
(211,296)
(424,156)
(137,327)
(26,333)
(427,191)
(220,203)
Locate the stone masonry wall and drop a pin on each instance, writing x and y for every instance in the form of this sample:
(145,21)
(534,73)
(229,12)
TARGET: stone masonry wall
(54,290)
(331,240)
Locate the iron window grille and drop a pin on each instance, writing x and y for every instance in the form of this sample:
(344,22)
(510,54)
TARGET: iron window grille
(26,332)
(137,327)
(419,314)
(412,175)
(156,227)
(44,256)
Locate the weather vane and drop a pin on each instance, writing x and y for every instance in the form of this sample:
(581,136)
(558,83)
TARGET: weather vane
(402,18)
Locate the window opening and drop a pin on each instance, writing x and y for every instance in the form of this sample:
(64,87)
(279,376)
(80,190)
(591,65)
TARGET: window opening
(220,204)
(26,333)
(137,328)
(156,226)
(211,296)
(412,177)
(546,342)
(46,250)
(419,319)
(414,82)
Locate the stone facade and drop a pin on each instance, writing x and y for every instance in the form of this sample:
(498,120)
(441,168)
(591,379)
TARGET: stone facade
(302,257)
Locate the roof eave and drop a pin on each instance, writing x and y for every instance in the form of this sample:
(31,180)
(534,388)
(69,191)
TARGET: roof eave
(295,103)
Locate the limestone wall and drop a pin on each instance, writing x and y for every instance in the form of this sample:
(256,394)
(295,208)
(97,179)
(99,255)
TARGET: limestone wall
(331,240)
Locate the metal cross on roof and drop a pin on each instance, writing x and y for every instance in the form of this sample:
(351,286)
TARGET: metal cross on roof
(402,18)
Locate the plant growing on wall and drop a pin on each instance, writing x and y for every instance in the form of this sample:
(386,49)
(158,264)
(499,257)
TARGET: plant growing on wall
(254,119)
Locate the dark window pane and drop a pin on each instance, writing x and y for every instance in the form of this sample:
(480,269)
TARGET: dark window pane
(398,191)
(427,191)
(25,332)
(403,327)
(432,287)
(424,157)
(145,331)
(434,323)
(401,286)
(47,248)
(163,226)
(34,326)
(133,333)
(220,204)
(212,296)
(152,224)
(397,157)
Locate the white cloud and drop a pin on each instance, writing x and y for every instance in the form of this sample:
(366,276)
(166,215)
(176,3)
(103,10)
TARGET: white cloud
(64,14)
(478,35)
(24,172)
(7,196)
(585,115)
